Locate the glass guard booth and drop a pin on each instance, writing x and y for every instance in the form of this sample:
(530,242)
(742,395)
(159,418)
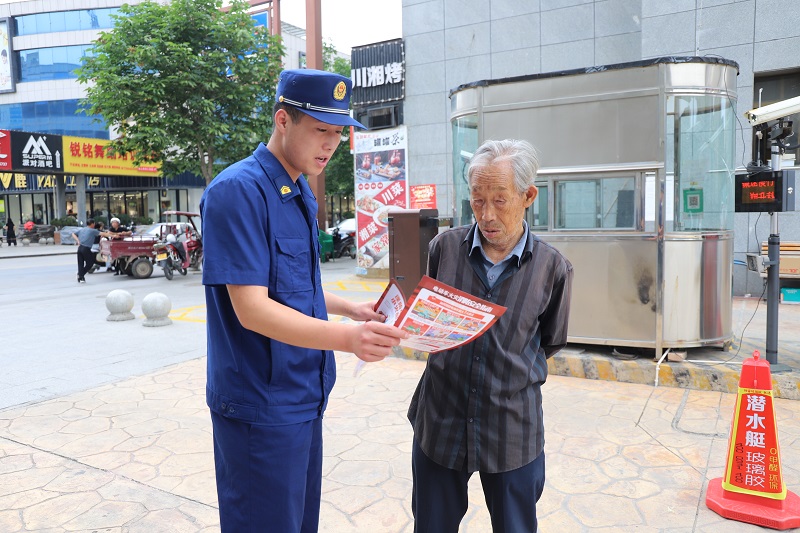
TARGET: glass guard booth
(635,189)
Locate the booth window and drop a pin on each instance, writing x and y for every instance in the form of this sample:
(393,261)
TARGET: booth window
(465,142)
(601,203)
(537,214)
(700,163)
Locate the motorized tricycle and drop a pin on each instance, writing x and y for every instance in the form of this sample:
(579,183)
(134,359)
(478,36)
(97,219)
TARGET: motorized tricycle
(133,255)
(180,246)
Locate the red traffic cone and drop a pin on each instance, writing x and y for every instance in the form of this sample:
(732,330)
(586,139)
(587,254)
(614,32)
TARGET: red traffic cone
(752,489)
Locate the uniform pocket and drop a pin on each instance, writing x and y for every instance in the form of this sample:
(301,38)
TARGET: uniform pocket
(294,273)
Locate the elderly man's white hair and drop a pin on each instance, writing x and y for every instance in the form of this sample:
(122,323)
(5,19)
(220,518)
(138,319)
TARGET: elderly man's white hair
(521,154)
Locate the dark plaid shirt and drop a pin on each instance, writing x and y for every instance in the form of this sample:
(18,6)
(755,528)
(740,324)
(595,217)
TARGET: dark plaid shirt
(479,407)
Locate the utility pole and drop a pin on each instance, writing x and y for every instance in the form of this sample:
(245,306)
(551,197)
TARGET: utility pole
(314,60)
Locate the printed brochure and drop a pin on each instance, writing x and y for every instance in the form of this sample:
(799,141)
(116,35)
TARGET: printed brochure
(438,316)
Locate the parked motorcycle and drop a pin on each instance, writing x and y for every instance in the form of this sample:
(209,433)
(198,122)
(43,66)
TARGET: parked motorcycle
(171,255)
(344,243)
(189,236)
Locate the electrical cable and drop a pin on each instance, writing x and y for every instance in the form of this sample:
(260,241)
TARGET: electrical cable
(741,337)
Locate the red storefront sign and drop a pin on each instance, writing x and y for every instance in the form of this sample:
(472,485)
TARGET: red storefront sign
(5,150)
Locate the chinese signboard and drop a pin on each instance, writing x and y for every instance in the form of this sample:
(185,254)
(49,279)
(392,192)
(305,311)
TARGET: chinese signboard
(754,457)
(378,72)
(45,154)
(380,178)
(36,152)
(423,196)
(5,150)
(92,156)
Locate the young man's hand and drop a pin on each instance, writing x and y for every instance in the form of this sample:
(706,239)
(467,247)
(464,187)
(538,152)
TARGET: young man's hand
(372,341)
(363,311)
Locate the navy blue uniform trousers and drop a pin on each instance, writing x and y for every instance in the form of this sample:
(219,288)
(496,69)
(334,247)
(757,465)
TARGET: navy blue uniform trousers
(269,478)
(439,500)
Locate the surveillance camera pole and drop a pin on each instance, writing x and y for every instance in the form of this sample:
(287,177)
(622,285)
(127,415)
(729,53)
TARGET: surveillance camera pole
(773,277)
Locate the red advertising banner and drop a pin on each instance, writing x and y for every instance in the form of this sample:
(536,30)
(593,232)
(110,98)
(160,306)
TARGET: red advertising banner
(380,186)
(422,196)
(5,150)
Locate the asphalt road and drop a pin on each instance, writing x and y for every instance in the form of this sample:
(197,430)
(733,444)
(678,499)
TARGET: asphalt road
(55,339)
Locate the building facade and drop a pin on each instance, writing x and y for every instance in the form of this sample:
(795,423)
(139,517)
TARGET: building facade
(452,42)
(42,43)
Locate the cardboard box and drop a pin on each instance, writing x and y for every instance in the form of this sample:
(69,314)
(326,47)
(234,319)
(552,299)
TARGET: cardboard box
(790,296)
(790,264)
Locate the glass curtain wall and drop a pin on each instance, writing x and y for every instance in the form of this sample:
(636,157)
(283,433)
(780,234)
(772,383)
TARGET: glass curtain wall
(100,206)
(134,202)
(116,203)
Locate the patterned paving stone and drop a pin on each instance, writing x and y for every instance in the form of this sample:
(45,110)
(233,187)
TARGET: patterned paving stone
(136,456)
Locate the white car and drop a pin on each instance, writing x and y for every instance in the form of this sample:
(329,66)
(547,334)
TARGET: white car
(345,226)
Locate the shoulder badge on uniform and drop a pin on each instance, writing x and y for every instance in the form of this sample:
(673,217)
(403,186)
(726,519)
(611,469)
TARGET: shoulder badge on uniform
(286,190)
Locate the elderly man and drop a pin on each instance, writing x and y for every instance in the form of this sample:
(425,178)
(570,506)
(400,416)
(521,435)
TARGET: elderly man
(117,231)
(478,408)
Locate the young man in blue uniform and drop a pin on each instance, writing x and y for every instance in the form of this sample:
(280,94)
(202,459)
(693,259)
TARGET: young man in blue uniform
(270,364)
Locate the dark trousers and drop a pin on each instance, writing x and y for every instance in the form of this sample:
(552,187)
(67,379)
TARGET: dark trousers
(86,259)
(269,478)
(439,499)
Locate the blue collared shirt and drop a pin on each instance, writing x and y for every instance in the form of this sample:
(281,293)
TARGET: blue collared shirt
(260,228)
(493,270)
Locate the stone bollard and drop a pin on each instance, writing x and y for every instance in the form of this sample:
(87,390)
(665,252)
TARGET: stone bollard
(119,304)
(26,242)
(156,307)
(51,240)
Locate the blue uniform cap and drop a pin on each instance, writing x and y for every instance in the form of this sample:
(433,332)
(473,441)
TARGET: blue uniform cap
(322,95)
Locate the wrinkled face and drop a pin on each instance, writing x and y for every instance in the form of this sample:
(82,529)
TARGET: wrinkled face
(307,145)
(498,207)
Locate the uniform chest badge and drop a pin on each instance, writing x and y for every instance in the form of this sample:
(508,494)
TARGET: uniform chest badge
(286,190)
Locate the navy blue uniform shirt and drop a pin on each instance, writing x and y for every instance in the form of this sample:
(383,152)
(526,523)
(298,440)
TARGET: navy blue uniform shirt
(260,228)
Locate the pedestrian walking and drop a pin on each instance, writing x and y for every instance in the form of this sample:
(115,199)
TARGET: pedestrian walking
(11,235)
(85,238)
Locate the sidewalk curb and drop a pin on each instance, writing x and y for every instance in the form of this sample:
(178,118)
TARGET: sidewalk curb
(684,375)
(49,250)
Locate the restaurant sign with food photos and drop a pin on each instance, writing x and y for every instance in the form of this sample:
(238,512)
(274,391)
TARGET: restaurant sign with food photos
(380,186)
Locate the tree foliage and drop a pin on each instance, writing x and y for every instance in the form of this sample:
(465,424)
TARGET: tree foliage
(339,177)
(184,83)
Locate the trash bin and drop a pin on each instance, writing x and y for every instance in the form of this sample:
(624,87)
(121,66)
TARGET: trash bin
(325,246)
(410,232)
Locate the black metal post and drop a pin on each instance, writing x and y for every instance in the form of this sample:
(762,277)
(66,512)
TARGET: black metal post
(773,292)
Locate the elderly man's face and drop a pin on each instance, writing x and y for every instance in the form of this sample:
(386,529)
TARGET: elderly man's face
(498,207)
(114,224)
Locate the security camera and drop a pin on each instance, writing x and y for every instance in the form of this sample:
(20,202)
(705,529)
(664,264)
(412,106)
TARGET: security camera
(757,263)
(774,111)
